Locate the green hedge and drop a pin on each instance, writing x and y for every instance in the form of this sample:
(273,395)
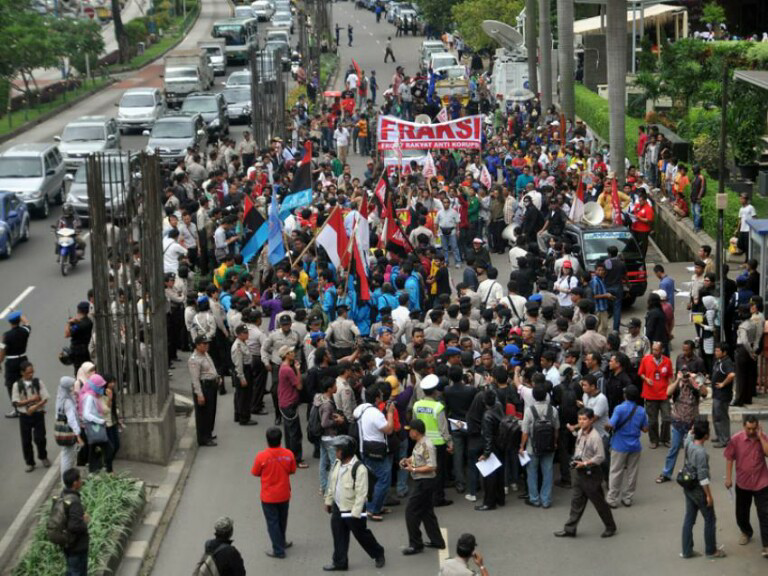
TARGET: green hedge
(112,503)
(709,212)
(595,111)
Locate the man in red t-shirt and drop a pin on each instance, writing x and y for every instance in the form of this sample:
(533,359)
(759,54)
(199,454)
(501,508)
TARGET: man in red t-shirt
(274,465)
(642,221)
(655,369)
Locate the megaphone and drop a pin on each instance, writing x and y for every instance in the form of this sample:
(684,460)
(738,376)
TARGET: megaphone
(509,233)
(593,214)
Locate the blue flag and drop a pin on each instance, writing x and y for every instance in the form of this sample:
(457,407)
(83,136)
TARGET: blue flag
(255,242)
(275,234)
(295,200)
(301,185)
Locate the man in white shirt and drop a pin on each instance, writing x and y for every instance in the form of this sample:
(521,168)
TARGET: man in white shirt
(402,313)
(341,137)
(448,224)
(490,291)
(353,80)
(746,212)
(172,251)
(514,253)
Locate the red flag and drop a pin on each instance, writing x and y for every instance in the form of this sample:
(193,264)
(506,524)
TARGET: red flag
(577,208)
(615,204)
(357,70)
(361,272)
(381,191)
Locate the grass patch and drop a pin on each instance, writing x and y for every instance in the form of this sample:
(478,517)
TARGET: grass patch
(595,111)
(112,502)
(175,32)
(19,118)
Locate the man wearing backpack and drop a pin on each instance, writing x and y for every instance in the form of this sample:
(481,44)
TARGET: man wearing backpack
(344,500)
(68,525)
(29,397)
(540,426)
(221,558)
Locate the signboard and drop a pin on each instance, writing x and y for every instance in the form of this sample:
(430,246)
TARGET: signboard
(463,133)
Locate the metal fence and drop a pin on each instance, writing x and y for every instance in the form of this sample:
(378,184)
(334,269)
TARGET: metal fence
(125,203)
(267,94)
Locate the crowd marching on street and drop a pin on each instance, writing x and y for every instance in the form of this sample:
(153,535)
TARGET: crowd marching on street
(323,298)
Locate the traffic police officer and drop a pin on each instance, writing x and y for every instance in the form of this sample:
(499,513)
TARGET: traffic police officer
(13,350)
(432,413)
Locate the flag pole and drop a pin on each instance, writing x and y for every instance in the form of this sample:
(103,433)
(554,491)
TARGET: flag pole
(314,238)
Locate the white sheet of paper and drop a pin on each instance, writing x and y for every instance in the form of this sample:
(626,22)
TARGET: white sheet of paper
(457,424)
(487,466)
(524,458)
(690,268)
(682,294)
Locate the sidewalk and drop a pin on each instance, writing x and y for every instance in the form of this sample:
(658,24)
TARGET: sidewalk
(133,9)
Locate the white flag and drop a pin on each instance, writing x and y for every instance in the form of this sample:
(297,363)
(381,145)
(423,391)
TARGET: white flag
(429,170)
(485,178)
(442,116)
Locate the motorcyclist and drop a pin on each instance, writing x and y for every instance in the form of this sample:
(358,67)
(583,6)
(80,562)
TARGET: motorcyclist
(70,220)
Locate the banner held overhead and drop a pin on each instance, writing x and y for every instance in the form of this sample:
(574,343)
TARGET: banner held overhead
(462,133)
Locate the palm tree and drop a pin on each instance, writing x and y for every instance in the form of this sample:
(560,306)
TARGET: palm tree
(565,57)
(530,44)
(616,49)
(545,53)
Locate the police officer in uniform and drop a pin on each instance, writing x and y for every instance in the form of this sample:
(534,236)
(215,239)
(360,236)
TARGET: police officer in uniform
(342,332)
(432,412)
(13,350)
(205,382)
(423,468)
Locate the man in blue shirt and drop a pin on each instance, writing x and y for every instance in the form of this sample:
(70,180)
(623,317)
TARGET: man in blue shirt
(523,180)
(602,298)
(628,422)
(666,283)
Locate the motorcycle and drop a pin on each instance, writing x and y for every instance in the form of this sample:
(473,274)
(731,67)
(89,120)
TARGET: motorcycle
(68,253)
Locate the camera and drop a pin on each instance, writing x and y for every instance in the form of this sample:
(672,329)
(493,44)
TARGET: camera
(574,463)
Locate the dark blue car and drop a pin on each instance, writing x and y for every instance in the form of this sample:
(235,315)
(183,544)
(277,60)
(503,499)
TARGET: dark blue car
(14,222)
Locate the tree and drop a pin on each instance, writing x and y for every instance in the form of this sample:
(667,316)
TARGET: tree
(438,13)
(565,54)
(469,16)
(712,13)
(545,53)
(76,38)
(616,49)
(32,45)
(530,44)
(124,50)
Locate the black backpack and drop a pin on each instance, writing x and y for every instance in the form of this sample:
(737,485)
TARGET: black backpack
(56,527)
(314,427)
(509,434)
(543,437)
(371,479)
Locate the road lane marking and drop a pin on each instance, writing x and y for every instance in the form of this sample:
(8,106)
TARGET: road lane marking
(8,309)
(444,554)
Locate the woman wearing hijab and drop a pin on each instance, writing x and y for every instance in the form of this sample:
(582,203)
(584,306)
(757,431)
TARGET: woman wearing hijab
(67,405)
(99,449)
(708,328)
(86,370)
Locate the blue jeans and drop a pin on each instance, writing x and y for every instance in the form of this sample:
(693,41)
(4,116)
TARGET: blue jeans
(327,457)
(402,475)
(545,461)
(695,502)
(77,564)
(276,515)
(382,470)
(677,437)
(450,245)
(618,294)
(696,212)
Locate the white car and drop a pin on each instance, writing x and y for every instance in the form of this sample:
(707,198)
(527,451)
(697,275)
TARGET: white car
(262,10)
(85,136)
(440,60)
(139,108)
(239,78)
(282,21)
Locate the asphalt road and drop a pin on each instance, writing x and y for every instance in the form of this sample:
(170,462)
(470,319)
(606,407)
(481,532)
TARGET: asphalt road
(514,540)
(32,281)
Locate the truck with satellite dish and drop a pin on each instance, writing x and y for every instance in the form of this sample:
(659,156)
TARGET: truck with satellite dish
(509,80)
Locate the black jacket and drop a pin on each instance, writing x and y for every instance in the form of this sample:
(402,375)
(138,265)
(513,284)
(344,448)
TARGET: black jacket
(614,387)
(76,524)
(656,326)
(228,559)
(490,429)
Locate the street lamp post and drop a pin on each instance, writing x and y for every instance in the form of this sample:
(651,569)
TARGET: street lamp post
(721,201)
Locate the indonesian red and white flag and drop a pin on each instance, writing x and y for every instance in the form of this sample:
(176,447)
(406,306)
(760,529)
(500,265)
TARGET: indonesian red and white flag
(429,170)
(333,238)
(361,272)
(618,219)
(485,177)
(362,229)
(442,116)
(381,189)
(577,208)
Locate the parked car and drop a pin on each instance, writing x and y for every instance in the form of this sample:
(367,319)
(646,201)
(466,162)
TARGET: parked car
(212,107)
(14,222)
(35,173)
(173,134)
(239,78)
(238,100)
(139,108)
(117,171)
(85,136)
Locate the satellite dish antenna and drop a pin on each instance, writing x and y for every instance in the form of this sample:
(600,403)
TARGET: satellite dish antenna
(423,119)
(504,34)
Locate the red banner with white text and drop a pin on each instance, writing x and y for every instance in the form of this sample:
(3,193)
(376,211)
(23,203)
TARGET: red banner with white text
(463,133)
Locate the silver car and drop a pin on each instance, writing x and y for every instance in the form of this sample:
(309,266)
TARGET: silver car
(238,100)
(173,134)
(118,169)
(35,173)
(139,108)
(85,136)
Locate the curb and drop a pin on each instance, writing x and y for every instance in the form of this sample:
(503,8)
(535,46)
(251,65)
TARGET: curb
(55,112)
(11,545)
(144,543)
